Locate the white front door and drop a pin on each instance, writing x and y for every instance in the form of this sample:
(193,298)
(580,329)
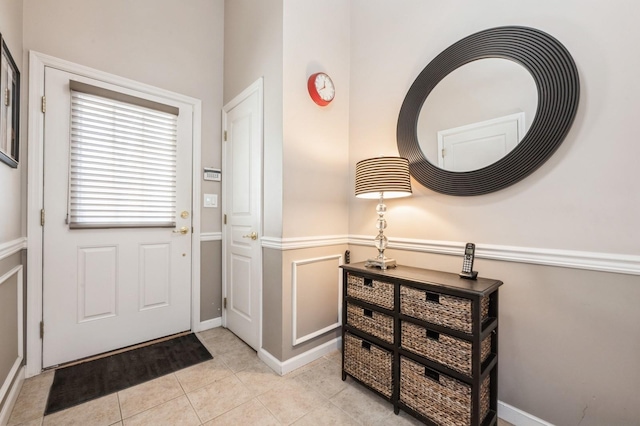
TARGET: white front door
(108,287)
(242,206)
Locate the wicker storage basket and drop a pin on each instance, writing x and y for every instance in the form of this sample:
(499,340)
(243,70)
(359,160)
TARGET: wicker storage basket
(447,350)
(449,311)
(372,322)
(368,363)
(375,292)
(444,400)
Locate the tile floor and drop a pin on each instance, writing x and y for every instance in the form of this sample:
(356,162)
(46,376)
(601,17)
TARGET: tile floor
(234,388)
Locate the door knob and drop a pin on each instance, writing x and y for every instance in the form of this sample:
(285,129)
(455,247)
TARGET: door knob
(253,235)
(182,230)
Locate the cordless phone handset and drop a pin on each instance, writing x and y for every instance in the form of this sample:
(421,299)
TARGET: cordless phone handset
(467,262)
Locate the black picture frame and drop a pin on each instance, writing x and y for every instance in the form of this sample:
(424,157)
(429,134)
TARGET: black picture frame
(9,107)
(558,85)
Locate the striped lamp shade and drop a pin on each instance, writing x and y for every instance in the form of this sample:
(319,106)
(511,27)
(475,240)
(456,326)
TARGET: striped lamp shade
(389,175)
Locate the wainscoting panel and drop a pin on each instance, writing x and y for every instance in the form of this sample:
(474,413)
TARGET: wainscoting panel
(11,324)
(316,284)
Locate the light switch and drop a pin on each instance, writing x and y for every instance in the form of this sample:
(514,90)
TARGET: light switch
(211,200)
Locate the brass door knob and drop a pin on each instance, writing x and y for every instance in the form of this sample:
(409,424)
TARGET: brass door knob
(182,230)
(253,235)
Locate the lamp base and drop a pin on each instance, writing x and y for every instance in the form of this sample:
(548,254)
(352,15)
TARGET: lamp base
(381,263)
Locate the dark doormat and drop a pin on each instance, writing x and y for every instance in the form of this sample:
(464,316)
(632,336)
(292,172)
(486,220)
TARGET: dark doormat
(93,379)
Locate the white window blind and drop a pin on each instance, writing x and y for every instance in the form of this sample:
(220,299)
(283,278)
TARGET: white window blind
(122,165)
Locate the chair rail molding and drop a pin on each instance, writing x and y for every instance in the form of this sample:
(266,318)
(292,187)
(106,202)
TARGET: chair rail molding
(12,247)
(303,242)
(593,261)
(210,236)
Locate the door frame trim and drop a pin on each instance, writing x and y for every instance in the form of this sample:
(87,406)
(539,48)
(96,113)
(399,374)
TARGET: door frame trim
(255,87)
(35,191)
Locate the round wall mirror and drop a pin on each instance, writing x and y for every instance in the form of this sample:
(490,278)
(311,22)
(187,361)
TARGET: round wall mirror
(488,111)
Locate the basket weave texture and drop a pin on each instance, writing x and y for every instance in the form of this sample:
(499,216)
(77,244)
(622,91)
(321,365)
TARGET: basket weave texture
(371,366)
(377,292)
(448,311)
(378,324)
(447,350)
(446,401)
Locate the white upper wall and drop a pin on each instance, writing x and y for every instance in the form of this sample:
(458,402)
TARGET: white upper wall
(253,49)
(316,139)
(173,45)
(582,198)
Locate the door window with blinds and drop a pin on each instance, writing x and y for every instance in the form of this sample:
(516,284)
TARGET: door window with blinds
(122,160)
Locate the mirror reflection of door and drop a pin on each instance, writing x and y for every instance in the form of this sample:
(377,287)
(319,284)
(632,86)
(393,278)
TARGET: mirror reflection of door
(478,145)
(477,92)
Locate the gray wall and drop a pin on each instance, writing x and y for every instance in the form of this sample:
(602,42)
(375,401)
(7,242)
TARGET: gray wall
(569,338)
(210,274)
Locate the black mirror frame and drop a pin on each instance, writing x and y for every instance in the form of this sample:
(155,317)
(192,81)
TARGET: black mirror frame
(558,86)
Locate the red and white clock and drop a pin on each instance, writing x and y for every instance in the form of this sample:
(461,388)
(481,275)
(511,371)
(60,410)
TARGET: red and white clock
(321,88)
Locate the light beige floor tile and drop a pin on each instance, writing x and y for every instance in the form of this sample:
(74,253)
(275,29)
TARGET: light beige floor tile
(306,367)
(221,341)
(202,374)
(291,400)
(401,419)
(175,412)
(503,422)
(259,378)
(326,378)
(149,394)
(99,412)
(335,356)
(32,399)
(240,358)
(219,397)
(34,422)
(362,404)
(251,413)
(327,414)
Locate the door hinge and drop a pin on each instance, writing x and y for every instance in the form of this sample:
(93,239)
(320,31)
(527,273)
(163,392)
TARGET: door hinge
(225,135)
(7,97)
(44,104)
(225,219)
(444,152)
(224,303)
(42,329)
(42,217)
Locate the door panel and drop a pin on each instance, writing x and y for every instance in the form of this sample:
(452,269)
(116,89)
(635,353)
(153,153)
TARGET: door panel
(242,266)
(105,289)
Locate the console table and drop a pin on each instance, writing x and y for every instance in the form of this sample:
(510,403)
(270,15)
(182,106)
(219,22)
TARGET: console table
(425,340)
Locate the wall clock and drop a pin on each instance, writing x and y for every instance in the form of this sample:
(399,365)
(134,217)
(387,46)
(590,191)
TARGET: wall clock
(321,88)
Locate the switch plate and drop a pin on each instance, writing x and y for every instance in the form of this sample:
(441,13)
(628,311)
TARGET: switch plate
(210,200)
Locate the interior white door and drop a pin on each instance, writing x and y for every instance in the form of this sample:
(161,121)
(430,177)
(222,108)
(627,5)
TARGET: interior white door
(478,145)
(105,289)
(242,203)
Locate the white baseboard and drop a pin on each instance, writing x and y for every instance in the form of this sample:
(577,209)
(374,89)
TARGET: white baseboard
(518,417)
(5,413)
(284,367)
(206,325)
